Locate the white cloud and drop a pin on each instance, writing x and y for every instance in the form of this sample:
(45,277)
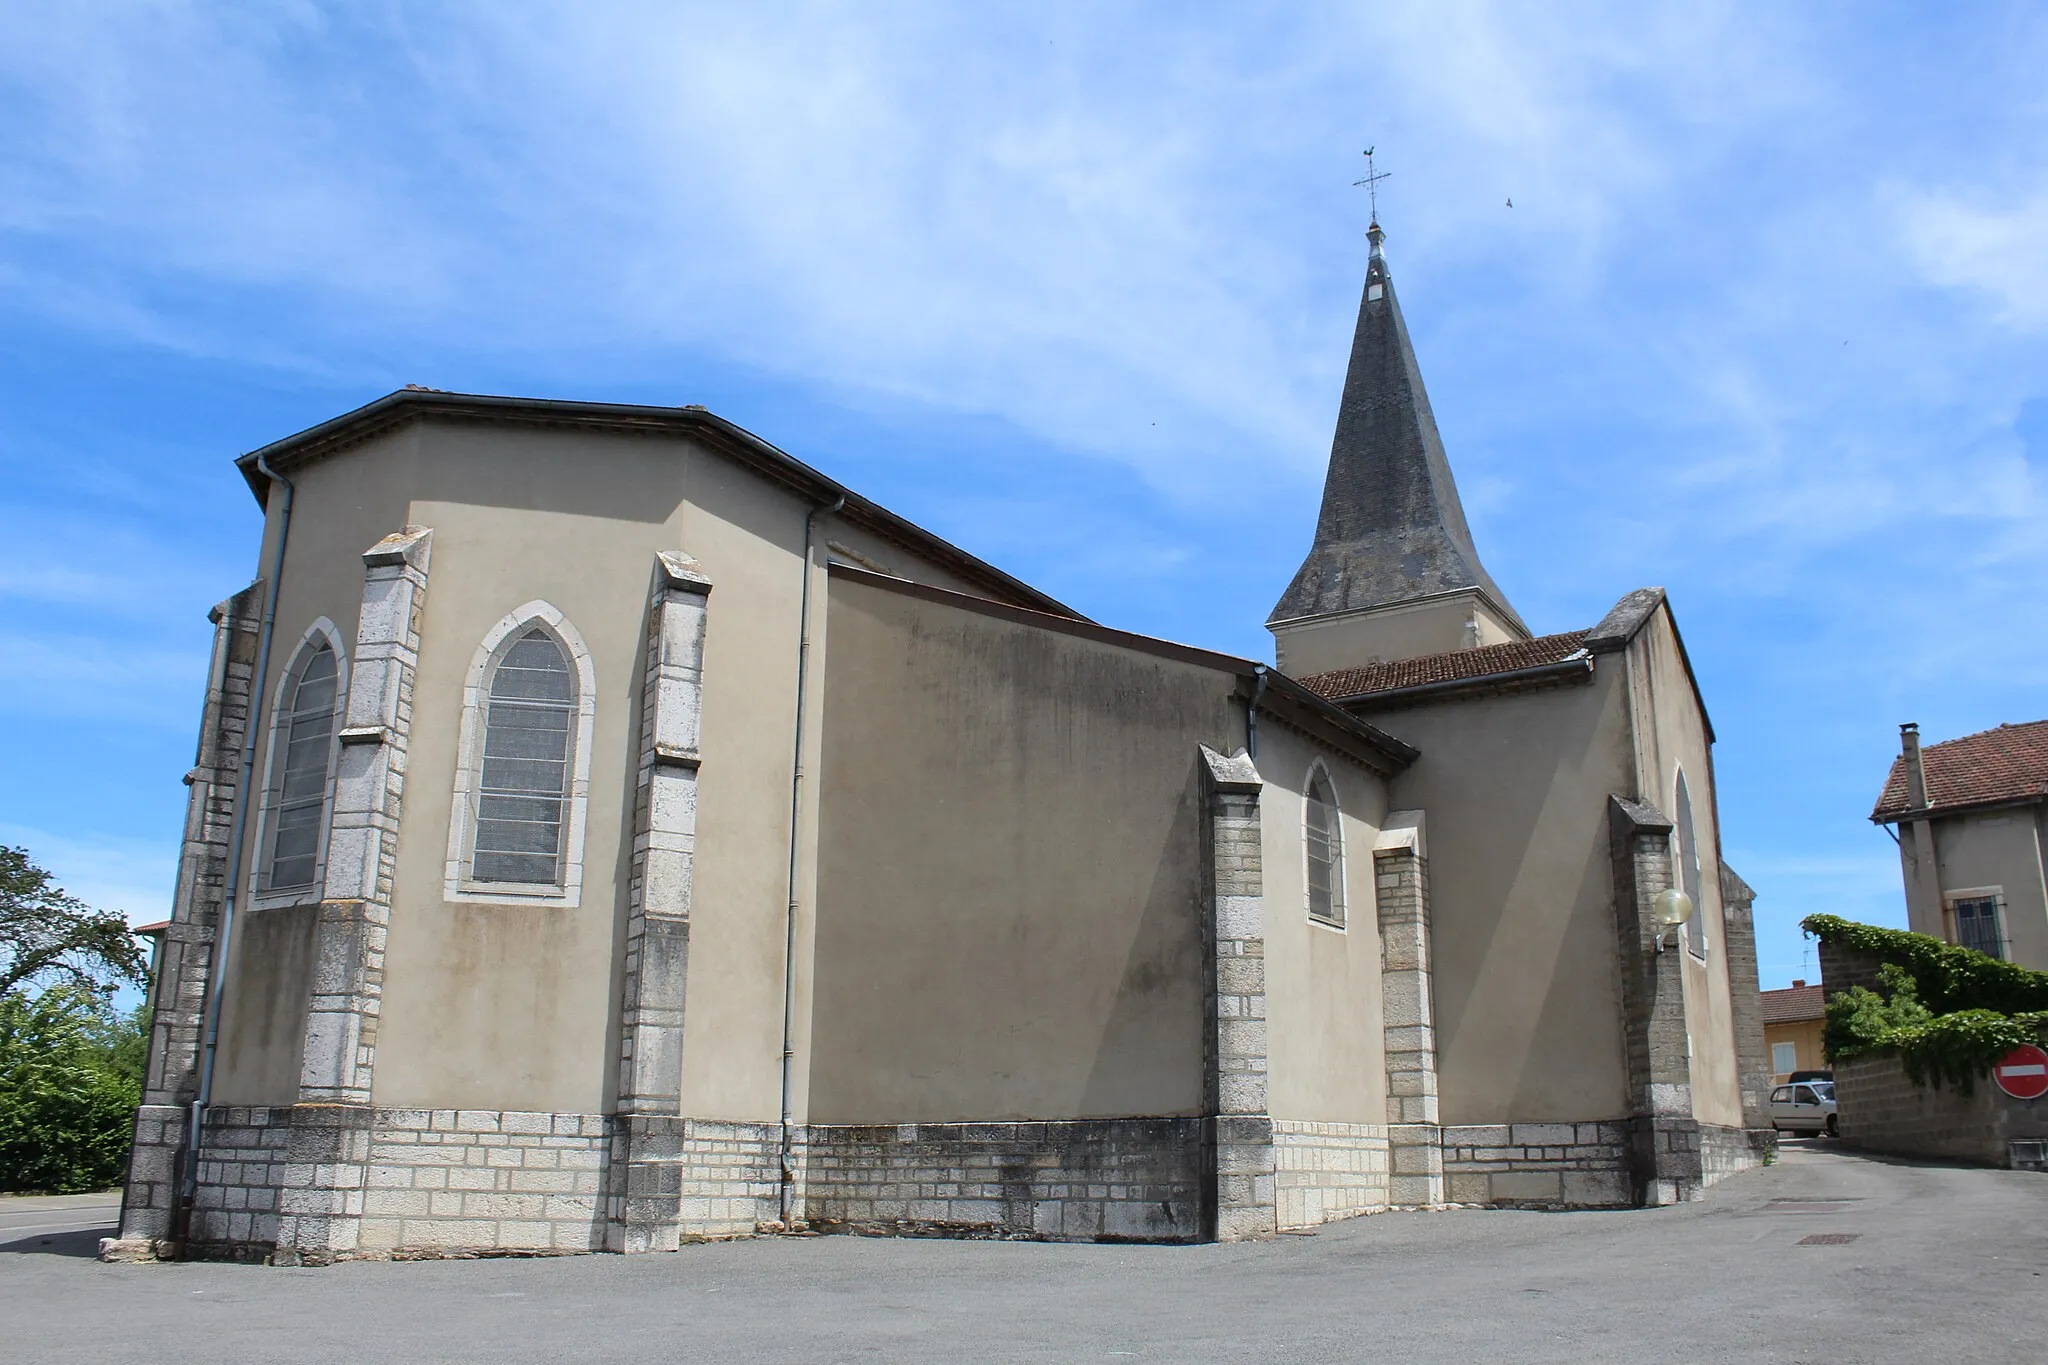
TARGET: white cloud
(1996,252)
(107,871)
(1096,223)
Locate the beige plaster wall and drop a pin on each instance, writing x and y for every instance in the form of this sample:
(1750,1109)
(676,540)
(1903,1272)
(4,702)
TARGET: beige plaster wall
(337,516)
(1325,1040)
(263,1014)
(513,1006)
(1527,992)
(2003,849)
(1323,644)
(1805,1035)
(1671,734)
(1010,869)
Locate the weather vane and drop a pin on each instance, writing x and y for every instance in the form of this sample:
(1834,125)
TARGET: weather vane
(1372,182)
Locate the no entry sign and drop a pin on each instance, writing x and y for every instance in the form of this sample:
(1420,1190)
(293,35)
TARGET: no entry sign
(2023,1072)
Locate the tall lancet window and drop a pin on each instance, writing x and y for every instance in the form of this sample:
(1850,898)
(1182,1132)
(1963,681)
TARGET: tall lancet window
(301,757)
(523,785)
(1325,838)
(1689,871)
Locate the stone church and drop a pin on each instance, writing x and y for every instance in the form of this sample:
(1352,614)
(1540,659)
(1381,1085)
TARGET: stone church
(609,831)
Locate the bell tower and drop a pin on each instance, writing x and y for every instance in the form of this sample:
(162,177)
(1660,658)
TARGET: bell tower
(1393,572)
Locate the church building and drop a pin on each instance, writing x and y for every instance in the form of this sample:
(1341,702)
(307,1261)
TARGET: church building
(608,831)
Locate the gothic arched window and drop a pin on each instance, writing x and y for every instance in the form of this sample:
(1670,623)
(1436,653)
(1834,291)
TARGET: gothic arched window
(521,791)
(301,764)
(1688,850)
(1324,836)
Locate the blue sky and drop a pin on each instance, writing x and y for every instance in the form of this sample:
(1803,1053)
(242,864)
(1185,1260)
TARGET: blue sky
(1072,285)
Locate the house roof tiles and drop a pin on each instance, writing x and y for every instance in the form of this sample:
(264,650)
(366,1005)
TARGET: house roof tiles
(1992,767)
(1458,665)
(1794,1004)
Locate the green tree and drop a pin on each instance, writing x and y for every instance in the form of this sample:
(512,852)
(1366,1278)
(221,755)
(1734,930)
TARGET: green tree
(48,938)
(70,1078)
(70,1064)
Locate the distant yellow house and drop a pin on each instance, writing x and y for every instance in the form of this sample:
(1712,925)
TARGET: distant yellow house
(1793,1019)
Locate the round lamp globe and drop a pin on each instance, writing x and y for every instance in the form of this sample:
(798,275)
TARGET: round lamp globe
(1673,907)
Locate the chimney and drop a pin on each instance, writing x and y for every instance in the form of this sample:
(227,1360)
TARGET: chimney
(1797,984)
(1916,772)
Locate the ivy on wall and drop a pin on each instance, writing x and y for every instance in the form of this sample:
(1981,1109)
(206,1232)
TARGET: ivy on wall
(1948,1013)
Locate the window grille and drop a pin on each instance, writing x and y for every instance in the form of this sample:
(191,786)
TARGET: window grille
(1977,925)
(304,737)
(523,789)
(1325,852)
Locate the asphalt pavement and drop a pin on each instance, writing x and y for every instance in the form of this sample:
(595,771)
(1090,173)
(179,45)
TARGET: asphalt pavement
(1824,1257)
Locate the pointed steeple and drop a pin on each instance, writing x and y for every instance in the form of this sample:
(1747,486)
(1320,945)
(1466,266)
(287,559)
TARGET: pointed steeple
(1391,529)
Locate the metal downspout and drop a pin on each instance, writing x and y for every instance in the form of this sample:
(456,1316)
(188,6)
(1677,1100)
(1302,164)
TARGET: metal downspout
(785,1198)
(237,842)
(1251,713)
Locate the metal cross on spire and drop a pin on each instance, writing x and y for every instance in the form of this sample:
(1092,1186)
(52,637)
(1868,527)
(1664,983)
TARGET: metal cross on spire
(1372,184)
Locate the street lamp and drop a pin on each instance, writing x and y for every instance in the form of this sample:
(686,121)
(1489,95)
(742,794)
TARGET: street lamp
(1673,908)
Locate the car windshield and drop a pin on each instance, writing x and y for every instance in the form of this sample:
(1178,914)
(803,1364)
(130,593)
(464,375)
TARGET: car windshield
(1824,1089)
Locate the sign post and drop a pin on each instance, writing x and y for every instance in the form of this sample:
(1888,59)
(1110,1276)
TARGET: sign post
(2023,1072)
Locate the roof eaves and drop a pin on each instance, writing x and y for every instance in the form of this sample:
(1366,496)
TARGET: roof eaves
(1892,815)
(404,405)
(1283,697)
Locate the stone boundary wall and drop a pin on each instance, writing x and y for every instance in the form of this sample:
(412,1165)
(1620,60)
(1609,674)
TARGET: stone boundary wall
(1729,1151)
(1075,1180)
(1327,1171)
(484,1180)
(732,1176)
(1880,1109)
(241,1173)
(1538,1165)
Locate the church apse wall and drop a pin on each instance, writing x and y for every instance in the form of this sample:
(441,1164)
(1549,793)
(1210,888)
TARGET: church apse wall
(576,926)
(1009,950)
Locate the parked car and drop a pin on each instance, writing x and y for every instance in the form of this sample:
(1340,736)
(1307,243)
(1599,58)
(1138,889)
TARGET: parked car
(1821,1075)
(1807,1107)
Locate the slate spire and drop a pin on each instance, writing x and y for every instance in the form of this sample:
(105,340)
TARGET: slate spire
(1391,529)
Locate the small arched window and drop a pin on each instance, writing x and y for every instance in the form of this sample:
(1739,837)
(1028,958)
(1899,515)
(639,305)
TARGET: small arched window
(1688,850)
(1325,839)
(523,786)
(301,759)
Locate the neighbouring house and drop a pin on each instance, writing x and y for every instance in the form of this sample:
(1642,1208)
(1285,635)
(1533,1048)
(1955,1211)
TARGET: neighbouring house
(1972,814)
(155,934)
(609,830)
(1794,1019)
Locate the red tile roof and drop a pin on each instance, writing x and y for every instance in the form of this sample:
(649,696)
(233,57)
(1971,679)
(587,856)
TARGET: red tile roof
(1794,1005)
(1459,665)
(1987,768)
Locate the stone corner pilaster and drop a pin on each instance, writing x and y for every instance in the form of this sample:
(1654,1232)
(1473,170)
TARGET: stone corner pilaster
(1752,1061)
(1244,1190)
(1408,1011)
(1664,1141)
(645,1191)
(185,965)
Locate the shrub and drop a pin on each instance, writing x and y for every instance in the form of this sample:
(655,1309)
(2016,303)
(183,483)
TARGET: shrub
(70,1079)
(1948,1013)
